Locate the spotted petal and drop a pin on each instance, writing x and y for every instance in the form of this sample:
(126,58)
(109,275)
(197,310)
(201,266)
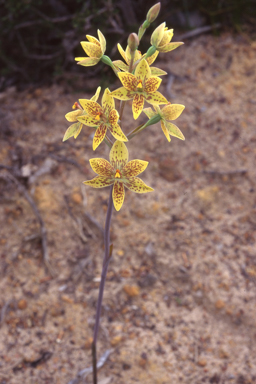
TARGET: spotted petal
(156,98)
(149,112)
(93,39)
(72,116)
(165,130)
(102,42)
(174,130)
(135,184)
(152,58)
(122,94)
(108,103)
(117,132)
(172,111)
(99,135)
(91,107)
(88,120)
(134,168)
(118,155)
(152,84)
(121,65)
(87,61)
(157,71)
(137,55)
(99,182)
(122,52)
(142,71)
(102,167)
(96,96)
(91,49)
(113,117)
(169,47)
(157,35)
(166,38)
(137,105)
(118,195)
(128,80)
(73,130)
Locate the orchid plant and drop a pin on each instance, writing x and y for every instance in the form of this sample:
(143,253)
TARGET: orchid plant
(140,83)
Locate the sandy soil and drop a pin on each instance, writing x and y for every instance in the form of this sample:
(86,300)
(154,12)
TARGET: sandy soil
(179,305)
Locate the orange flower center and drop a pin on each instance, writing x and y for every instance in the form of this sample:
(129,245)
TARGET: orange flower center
(118,174)
(140,84)
(97,117)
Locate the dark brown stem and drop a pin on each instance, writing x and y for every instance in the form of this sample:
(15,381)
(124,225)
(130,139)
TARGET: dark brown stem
(106,260)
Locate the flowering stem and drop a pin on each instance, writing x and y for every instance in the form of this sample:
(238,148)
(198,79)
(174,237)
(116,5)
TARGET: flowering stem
(107,257)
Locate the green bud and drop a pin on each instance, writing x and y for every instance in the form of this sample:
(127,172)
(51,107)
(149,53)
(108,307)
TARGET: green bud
(153,12)
(133,42)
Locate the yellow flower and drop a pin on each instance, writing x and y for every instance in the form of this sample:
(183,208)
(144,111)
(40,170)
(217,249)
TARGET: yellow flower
(161,38)
(94,48)
(138,87)
(105,117)
(168,112)
(127,58)
(72,117)
(119,172)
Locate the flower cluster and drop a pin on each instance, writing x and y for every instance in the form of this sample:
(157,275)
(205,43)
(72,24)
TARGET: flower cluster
(140,83)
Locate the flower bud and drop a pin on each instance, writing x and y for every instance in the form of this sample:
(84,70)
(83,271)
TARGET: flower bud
(157,35)
(153,12)
(133,42)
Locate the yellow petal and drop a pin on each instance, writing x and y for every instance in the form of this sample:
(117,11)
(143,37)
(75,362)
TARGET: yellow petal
(166,37)
(169,47)
(152,84)
(151,59)
(172,111)
(108,103)
(117,132)
(137,55)
(157,35)
(137,105)
(174,130)
(88,120)
(149,112)
(72,116)
(122,94)
(157,71)
(118,155)
(99,136)
(165,131)
(121,65)
(102,167)
(122,52)
(91,107)
(156,98)
(113,117)
(91,49)
(118,195)
(87,61)
(128,80)
(96,96)
(78,131)
(93,39)
(135,184)
(72,130)
(102,42)
(134,168)
(99,182)
(142,71)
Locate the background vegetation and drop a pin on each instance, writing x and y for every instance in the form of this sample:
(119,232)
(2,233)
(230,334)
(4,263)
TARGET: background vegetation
(39,38)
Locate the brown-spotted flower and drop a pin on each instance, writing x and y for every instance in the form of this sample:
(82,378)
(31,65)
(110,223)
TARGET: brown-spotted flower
(168,112)
(139,87)
(161,38)
(94,48)
(72,116)
(119,172)
(127,58)
(105,117)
